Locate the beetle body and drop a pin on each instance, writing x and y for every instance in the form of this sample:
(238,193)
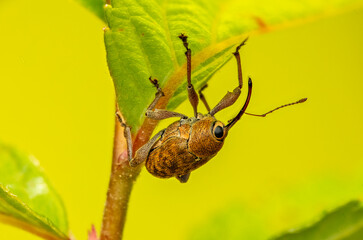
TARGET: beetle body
(184,146)
(190,142)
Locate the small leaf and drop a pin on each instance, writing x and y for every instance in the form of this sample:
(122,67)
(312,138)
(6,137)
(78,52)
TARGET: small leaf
(142,41)
(27,199)
(344,223)
(92,234)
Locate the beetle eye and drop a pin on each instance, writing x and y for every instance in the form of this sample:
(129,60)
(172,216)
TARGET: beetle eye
(218,132)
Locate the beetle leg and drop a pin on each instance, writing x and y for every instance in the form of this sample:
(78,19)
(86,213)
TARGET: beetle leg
(192,94)
(158,94)
(231,97)
(202,97)
(127,135)
(143,152)
(183,178)
(159,114)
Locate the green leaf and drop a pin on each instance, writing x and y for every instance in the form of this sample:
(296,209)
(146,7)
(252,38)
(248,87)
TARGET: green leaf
(236,222)
(27,199)
(95,6)
(230,223)
(344,223)
(142,41)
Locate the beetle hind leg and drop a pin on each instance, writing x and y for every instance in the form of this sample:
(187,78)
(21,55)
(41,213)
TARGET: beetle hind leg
(127,135)
(143,152)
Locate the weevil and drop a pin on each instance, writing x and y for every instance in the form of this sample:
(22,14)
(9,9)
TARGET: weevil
(190,142)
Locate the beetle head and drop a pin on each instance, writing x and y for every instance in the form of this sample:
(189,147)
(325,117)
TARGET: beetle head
(207,137)
(207,134)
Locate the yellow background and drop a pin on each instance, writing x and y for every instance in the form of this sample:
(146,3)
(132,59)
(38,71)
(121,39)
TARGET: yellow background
(57,102)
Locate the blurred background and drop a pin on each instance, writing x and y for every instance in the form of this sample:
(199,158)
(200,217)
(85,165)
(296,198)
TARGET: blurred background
(273,174)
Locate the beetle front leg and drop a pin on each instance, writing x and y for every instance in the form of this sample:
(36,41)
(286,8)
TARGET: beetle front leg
(192,94)
(231,97)
(160,114)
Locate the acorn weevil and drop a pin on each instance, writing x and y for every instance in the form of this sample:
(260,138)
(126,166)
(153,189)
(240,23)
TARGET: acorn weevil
(191,141)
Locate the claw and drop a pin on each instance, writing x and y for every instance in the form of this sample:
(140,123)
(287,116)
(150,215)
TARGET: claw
(239,46)
(184,38)
(154,82)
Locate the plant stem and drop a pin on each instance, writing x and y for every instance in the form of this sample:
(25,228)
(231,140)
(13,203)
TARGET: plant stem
(119,189)
(121,181)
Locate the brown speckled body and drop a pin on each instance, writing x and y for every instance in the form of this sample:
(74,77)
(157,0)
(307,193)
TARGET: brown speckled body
(184,146)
